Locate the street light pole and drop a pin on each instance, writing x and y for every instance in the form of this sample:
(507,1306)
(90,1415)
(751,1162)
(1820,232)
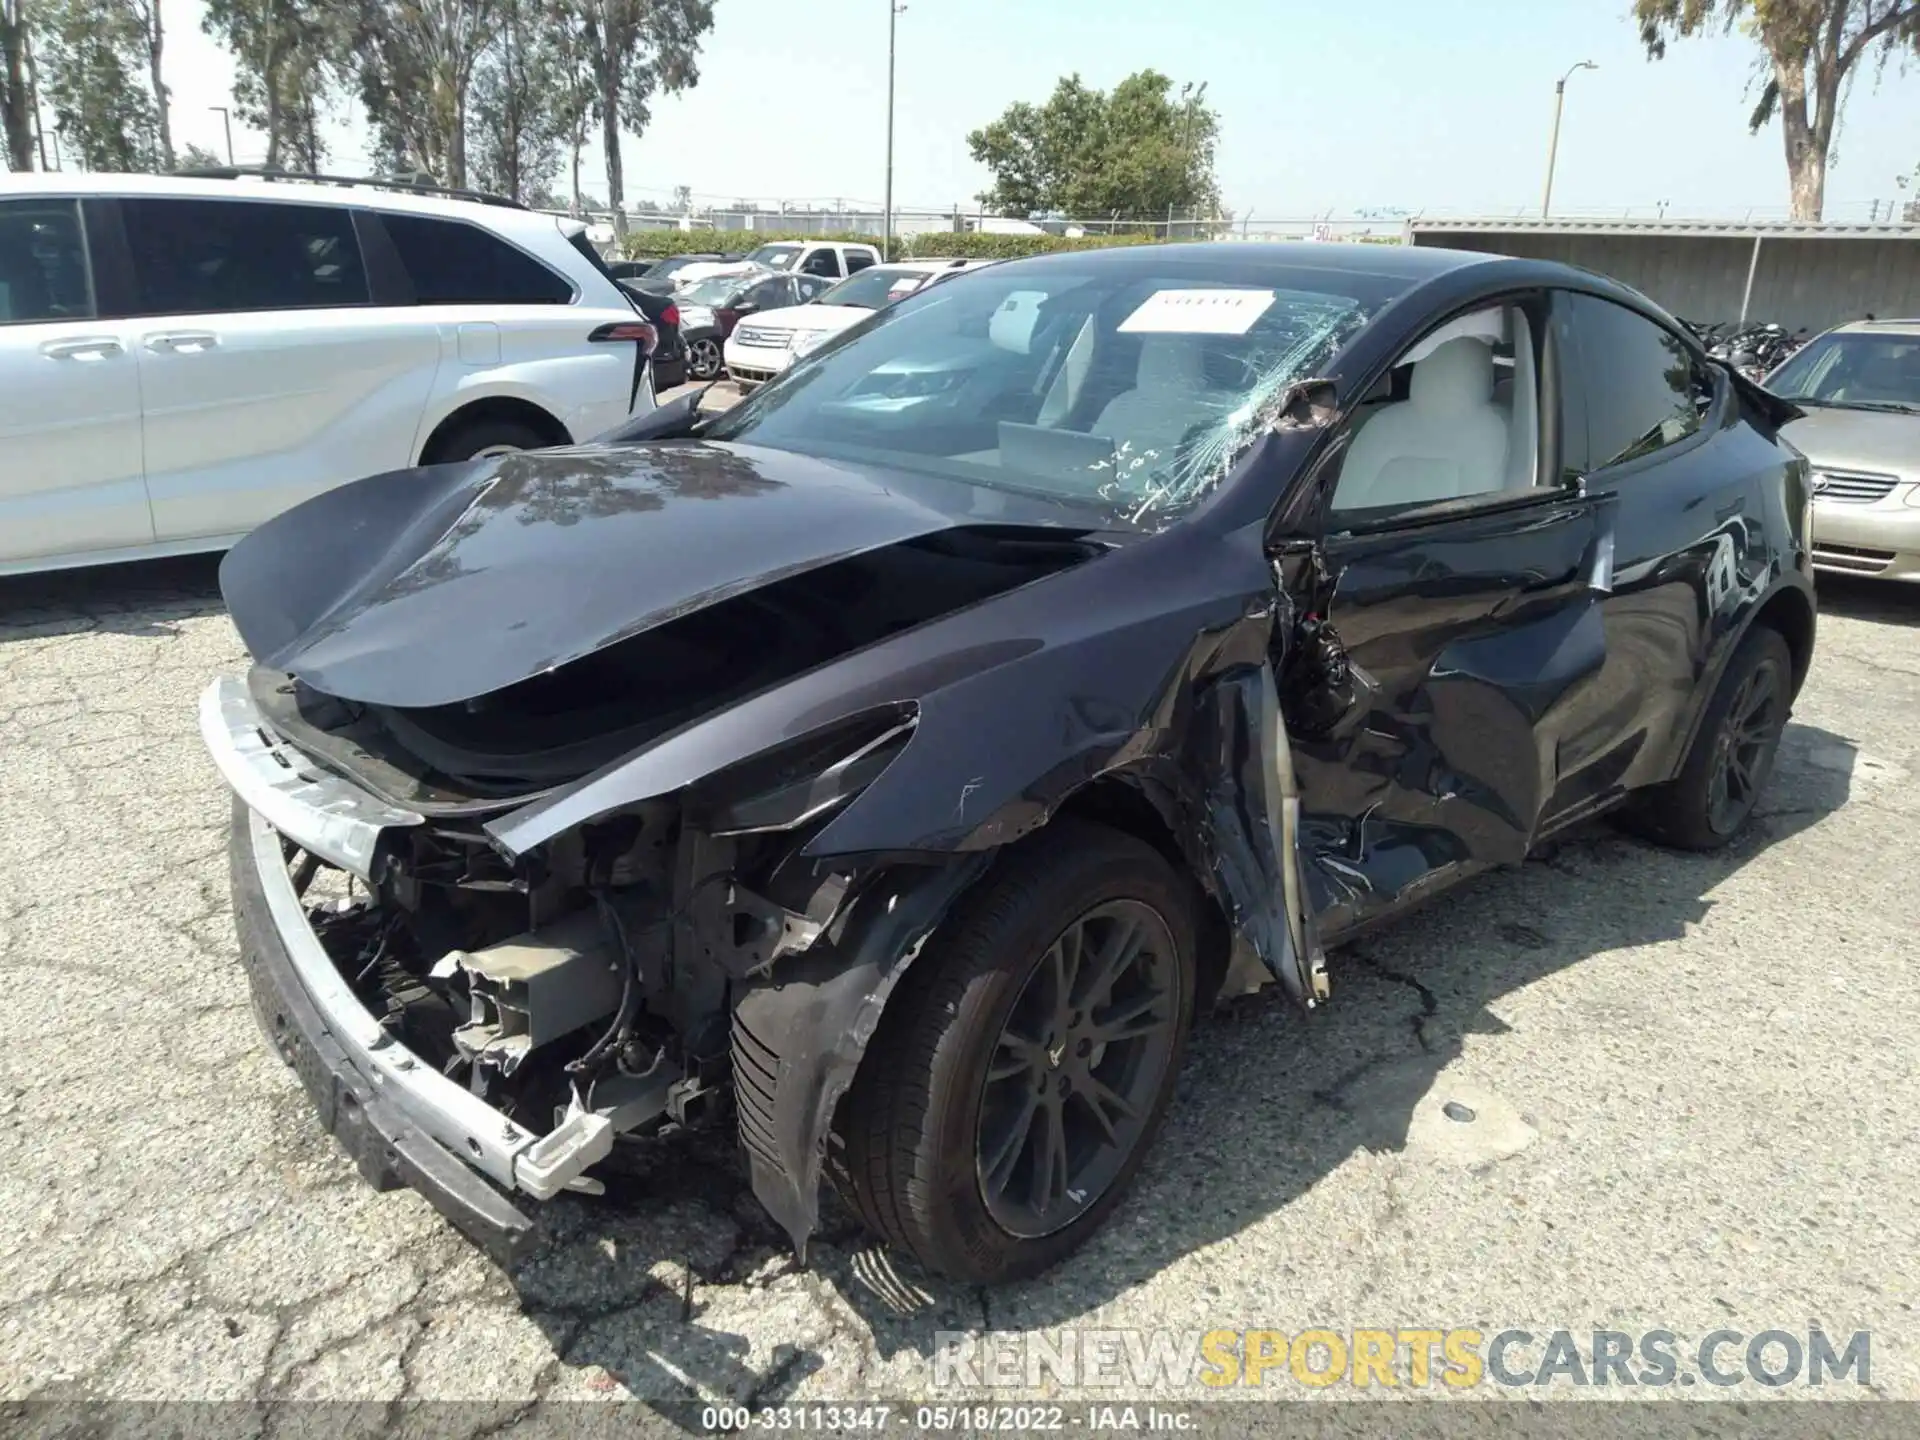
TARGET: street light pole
(886,239)
(226,118)
(1553,145)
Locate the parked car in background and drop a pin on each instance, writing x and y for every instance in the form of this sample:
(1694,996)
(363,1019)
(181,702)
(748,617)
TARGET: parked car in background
(629,269)
(182,358)
(915,748)
(1860,388)
(663,275)
(757,352)
(710,309)
(822,259)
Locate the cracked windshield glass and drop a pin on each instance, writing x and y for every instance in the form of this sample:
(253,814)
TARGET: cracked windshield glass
(1132,384)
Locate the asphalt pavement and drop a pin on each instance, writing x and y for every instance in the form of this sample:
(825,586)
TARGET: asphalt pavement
(1691,1083)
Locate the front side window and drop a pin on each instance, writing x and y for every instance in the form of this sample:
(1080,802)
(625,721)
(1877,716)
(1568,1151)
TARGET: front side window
(1857,370)
(43,263)
(808,287)
(194,257)
(772,294)
(1637,384)
(453,263)
(1456,416)
(774,257)
(821,262)
(1132,384)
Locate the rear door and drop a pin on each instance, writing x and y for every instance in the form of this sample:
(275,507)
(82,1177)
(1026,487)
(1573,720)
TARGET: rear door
(1443,638)
(268,372)
(1645,422)
(509,325)
(70,461)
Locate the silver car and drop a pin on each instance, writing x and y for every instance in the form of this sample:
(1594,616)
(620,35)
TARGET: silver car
(1860,387)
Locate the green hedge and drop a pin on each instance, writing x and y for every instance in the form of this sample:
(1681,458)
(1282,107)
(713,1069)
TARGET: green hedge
(657,244)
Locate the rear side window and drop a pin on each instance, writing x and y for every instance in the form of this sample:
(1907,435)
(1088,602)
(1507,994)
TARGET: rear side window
(43,263)
(452,263)
(194,257)
(858,260)
(1640,389)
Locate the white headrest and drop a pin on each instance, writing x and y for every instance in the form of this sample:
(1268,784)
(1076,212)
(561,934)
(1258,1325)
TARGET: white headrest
(1170,360)
(1456,377)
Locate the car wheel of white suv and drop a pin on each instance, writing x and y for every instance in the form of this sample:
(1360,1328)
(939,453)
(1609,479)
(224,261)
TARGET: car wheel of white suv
(482,438)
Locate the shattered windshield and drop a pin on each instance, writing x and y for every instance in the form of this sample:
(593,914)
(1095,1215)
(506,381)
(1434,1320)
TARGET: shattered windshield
(1134,385)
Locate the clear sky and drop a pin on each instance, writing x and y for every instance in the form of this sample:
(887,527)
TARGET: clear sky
(1329,106)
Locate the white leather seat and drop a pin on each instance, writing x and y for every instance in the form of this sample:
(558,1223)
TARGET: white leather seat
(1147,423)
(1446,440)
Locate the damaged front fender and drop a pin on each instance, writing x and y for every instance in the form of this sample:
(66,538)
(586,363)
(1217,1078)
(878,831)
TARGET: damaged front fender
(799,1038)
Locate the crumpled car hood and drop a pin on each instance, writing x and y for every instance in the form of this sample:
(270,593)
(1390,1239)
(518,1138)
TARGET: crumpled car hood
(436,585)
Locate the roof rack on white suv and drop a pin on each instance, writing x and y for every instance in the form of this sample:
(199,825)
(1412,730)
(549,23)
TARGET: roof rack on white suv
(382,182)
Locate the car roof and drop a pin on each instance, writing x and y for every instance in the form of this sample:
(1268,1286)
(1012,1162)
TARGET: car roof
(368,196)
(1412,263)
(931,266)
(1879,327)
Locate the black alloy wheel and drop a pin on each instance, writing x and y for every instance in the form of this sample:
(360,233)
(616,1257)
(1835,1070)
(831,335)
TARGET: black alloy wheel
(1077,1067)
(1027,1057)
(1745,747)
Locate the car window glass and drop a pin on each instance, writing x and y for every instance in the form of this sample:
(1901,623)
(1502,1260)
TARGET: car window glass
(223,256)
(43,263)
(770,294)
(1133,384)
(1638,385)
(453,263)
(858,260)
(821,262)
(1857,370)
(1456,416)
(809,286)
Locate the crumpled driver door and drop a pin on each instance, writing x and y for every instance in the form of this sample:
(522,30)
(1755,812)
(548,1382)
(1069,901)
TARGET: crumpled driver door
(1422,686)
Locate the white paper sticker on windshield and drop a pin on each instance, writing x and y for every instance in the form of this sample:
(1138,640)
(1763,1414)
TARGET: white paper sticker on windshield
(1198,312)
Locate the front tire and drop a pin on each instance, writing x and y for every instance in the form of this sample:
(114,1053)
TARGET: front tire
(1025,1064)
(1733,753)
(703,359)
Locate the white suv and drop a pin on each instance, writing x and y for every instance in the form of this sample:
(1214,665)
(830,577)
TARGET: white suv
(182,358)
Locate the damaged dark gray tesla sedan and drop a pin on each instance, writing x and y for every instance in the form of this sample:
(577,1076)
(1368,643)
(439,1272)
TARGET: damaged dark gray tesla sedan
(892,767)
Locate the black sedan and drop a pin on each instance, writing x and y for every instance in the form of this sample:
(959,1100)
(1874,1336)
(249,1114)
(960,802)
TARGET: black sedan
(912,750)
(709,309)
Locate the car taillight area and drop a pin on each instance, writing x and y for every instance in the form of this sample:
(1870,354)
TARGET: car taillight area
(638,332)
(670,316)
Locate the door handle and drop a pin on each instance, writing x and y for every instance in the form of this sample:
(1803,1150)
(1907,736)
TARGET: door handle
(81,347)
(182,342)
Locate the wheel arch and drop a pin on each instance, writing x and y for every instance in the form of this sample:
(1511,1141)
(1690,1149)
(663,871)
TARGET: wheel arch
(1789,608)
(512,408)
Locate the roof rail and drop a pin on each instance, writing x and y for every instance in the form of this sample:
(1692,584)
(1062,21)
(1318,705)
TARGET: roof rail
(381,182)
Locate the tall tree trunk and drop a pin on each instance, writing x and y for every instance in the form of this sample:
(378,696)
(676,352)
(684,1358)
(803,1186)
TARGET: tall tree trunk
(18,119)
(1805,149)
(156,44)
(33,103)
(610,136)
(270,84)
(579,144)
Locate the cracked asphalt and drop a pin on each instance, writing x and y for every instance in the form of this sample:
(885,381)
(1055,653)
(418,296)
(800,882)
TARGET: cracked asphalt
(1692,1079)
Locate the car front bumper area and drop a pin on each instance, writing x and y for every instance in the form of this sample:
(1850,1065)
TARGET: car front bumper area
(1881,539)
(350,1080)
(397,1117)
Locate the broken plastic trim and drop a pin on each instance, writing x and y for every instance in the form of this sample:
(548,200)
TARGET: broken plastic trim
(795,783)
